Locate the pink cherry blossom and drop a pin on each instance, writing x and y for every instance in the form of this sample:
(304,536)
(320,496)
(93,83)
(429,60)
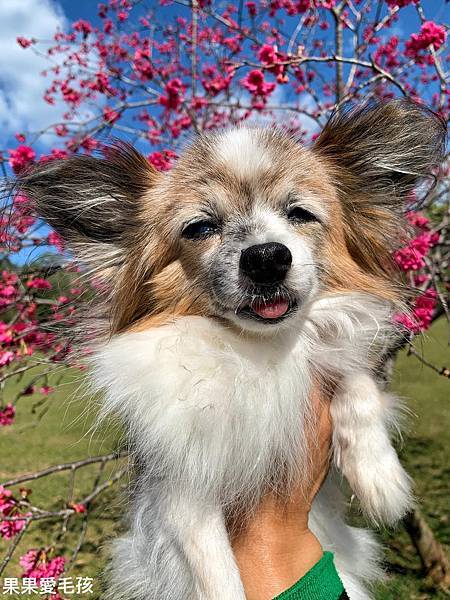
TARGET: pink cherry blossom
(8,529)
(412,256)
(83,27)
(142,63)
(421,315)
(430,34)
(254,82)
(21,157)
(162,160)
(37,283)
(54,239)
(37,564)
(6,358)
(400,3)
(24,42)
(252,8)
(8,413)
(46,390)
(55,154)
(269,55)
(110,115)
(418,220)
(173,94)
(7,502)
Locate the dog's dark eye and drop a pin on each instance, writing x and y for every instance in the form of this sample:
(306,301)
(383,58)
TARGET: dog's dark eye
(199,230)
(301,215)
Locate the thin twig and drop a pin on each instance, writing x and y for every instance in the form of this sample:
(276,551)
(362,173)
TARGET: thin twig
(64,467)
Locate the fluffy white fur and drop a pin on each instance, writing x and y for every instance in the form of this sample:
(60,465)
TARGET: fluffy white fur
(242,152)
(215,417)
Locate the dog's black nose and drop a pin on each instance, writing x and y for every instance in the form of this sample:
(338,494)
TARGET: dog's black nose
(266,263)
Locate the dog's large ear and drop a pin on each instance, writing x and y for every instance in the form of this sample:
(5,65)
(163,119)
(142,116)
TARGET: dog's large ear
(93,202)
(378,153)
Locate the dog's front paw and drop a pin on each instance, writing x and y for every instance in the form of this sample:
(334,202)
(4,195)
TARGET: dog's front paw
(381,484)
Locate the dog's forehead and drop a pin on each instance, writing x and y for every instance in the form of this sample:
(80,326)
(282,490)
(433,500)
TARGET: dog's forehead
(242,153)
(245,152)
(238,168)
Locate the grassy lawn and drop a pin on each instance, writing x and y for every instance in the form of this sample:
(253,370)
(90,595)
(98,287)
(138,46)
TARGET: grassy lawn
(64,434)
(425,455)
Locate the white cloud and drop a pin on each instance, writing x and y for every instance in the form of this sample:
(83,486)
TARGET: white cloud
(22,108)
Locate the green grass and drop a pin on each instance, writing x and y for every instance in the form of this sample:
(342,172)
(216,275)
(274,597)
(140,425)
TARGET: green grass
(425,455)
(62,434)
(60,431)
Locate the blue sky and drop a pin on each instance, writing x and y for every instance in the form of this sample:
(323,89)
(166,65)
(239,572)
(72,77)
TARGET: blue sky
(21,87)
(22,108)
(79,9)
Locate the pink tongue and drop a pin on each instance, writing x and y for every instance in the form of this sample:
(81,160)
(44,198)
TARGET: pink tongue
(271,310)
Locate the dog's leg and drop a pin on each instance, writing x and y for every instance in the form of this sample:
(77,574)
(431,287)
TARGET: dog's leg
(363,451)
(201,534)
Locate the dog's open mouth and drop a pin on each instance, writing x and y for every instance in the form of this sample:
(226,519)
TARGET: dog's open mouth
(270,310)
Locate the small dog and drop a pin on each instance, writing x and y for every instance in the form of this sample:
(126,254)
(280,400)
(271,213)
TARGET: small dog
(228,285)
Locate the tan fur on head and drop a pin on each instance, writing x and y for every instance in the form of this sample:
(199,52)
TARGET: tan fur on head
(125,222)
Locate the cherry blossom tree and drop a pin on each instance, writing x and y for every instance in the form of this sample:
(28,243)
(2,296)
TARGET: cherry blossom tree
(157,72)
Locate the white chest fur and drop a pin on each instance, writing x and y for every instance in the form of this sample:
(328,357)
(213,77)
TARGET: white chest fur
(215,417)
(216,409)
(222,412)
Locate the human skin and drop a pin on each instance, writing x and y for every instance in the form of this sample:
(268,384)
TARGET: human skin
(276,548)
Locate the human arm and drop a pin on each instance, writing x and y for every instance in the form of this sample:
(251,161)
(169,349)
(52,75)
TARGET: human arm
(277,548)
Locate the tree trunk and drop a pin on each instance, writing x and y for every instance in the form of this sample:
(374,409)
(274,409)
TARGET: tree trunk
(432,555)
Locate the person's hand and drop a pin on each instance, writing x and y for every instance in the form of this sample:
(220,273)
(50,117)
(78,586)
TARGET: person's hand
(276,548)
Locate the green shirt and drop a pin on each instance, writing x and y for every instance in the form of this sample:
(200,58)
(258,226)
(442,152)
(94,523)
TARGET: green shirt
(322,582)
